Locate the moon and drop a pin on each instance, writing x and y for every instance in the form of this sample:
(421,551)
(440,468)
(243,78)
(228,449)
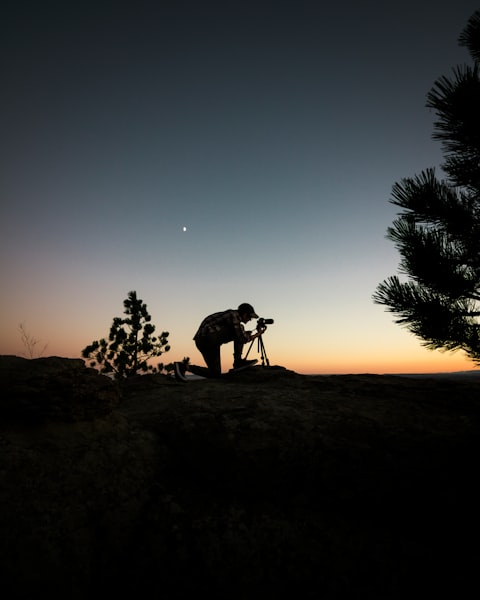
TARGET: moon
(184,228)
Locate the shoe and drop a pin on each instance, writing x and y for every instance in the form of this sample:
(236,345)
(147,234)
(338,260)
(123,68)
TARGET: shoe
(179,370)
(242,363)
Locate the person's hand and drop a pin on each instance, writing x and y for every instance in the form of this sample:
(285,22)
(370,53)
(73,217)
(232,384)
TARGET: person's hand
(258,333)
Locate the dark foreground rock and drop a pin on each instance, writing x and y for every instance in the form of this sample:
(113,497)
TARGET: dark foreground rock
(267,484)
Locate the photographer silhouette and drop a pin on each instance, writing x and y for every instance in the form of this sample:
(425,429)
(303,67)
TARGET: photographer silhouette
(220,328)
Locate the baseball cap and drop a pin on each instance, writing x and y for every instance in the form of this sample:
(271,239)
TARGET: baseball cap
(248,309)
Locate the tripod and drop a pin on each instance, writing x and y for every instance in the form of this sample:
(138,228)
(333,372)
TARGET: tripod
(261,349)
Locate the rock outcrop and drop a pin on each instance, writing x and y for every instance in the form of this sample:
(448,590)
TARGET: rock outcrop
(53,389)
(264,484)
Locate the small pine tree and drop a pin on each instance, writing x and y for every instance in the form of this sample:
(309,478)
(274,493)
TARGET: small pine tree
(131,343)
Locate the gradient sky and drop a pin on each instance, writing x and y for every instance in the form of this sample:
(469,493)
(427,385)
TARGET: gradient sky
(274,134)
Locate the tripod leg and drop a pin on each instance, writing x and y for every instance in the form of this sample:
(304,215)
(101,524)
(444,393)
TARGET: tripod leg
(263,353)
(249,348)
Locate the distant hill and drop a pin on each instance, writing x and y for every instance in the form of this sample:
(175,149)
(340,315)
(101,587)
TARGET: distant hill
(475,374)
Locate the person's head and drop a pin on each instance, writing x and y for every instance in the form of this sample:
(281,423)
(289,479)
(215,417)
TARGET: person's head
(246,312)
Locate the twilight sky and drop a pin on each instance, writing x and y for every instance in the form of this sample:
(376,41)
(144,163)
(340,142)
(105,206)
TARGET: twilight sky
(272,131)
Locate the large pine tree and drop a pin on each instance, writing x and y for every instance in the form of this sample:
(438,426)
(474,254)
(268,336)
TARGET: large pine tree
(438,231)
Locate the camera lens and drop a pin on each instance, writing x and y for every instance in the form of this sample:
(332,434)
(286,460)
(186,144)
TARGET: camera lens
(265,321)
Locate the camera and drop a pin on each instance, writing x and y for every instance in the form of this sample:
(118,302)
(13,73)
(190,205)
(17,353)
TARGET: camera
(262,322)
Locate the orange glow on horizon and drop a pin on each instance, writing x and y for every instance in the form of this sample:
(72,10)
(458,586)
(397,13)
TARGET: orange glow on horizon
(408,358)
(332,367)
(436,363)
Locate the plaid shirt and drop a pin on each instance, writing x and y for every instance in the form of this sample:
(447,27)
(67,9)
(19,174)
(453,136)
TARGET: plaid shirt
(225,326)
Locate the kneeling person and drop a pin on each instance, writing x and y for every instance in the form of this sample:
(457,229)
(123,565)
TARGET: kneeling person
(215,330)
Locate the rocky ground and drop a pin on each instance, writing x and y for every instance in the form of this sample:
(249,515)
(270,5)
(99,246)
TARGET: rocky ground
(264,484)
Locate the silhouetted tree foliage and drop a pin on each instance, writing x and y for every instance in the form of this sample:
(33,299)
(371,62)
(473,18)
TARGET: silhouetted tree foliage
(131,343)
(438,231)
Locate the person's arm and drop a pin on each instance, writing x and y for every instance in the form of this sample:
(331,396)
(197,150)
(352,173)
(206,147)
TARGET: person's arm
(240,334)
(257,333)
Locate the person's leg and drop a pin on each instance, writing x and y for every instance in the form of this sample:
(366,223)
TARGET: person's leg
(237,352)
(210,350)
